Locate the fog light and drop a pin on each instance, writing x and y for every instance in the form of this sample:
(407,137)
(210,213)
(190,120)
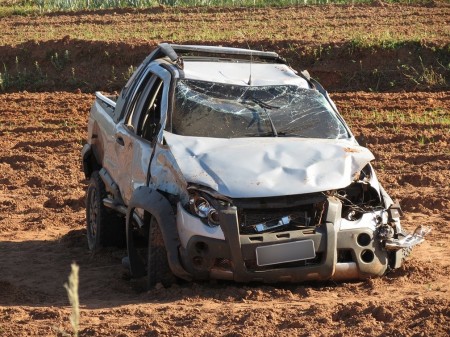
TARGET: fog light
(367,256)
(363,239)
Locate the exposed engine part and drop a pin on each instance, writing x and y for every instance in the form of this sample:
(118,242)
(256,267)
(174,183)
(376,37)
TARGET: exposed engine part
(285,219)
(274,221)
(273,224)
(357,199)
(386,232)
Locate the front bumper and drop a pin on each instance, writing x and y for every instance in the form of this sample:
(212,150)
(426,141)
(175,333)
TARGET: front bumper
(339,254)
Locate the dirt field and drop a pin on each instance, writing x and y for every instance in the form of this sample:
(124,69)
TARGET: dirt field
(42,231)
(348,48)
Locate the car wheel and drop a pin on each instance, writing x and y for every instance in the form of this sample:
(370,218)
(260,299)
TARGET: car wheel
(158,270)
(104,227)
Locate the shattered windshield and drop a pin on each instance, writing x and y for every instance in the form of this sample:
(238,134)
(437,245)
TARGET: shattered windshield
(206,109)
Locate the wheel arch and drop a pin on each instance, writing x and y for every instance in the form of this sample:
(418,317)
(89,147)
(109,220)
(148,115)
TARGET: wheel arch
(153,202)
(89,161)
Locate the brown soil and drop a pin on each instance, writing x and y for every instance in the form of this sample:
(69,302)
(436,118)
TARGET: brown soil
(310,25)
(42,232)
(348,48)
(42,187)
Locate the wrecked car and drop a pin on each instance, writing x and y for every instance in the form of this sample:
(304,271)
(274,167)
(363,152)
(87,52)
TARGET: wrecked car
(225,163)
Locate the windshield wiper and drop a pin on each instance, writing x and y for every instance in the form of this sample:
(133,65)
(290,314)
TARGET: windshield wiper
(266,106)
(266,134)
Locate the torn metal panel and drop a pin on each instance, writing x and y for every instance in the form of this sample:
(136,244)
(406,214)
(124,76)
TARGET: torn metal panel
(245,168)
(166,175)
(408,241)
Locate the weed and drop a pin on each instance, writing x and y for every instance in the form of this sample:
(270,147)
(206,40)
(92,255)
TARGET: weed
(126,75)
(68,125)
(21,78)
(424,140)
(4,79)
(423,77)
(38,69)
(72,294)
(59,62)
(113,74)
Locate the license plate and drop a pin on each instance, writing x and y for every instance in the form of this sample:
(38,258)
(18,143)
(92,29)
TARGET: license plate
(285,252)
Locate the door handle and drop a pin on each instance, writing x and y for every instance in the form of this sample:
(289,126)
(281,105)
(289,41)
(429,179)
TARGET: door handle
(119,140)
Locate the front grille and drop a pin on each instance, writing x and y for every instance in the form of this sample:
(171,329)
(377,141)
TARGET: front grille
(249,219)
(254,217)
(256,221)
(278,214)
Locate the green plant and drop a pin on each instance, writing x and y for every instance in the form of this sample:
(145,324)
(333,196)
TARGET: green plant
(21,78)
(126,75)
(59,62)
(72,5)
(4,78)
(424,76)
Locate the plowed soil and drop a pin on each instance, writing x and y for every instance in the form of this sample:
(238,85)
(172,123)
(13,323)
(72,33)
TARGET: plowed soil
(42,187)
(42,231)
(348,48)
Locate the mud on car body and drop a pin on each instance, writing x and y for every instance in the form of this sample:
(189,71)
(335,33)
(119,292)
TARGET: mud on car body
(226,163)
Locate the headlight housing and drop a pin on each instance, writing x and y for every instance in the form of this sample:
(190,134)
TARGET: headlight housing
(201,205)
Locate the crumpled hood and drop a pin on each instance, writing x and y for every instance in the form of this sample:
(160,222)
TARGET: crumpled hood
(265,167)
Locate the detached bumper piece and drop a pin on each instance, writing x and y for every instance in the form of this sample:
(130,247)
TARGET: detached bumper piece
(408,241)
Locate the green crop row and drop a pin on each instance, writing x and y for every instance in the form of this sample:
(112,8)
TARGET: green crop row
(24,7)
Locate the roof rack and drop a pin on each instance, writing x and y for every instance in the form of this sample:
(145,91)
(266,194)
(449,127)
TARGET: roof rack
(183,49)
(175,52)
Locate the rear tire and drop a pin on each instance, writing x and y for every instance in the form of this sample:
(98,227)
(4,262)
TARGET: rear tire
(158,269)
(104,227)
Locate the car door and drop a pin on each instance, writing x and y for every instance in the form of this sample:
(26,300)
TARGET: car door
(136,135)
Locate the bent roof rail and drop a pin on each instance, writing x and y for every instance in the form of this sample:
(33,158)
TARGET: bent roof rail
(183,49)
(174,51)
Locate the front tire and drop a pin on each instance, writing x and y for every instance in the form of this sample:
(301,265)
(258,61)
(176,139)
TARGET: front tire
(104,227)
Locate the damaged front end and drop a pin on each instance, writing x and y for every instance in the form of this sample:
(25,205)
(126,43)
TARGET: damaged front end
(349,233)
(286,207)
(371,240)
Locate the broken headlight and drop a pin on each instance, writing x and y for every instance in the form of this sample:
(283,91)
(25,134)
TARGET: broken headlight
(357,199)
(202,206)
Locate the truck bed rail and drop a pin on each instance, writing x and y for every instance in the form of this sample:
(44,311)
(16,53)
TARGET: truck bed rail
(105,99)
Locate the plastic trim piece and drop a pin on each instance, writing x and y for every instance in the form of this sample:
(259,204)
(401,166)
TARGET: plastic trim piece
(158,206)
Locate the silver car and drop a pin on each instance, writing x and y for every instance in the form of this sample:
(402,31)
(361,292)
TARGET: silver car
(226,163)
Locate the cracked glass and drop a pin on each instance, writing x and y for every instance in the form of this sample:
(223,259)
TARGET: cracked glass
(206,109)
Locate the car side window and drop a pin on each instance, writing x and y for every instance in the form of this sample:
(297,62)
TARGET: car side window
(146,119)
(138,93)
